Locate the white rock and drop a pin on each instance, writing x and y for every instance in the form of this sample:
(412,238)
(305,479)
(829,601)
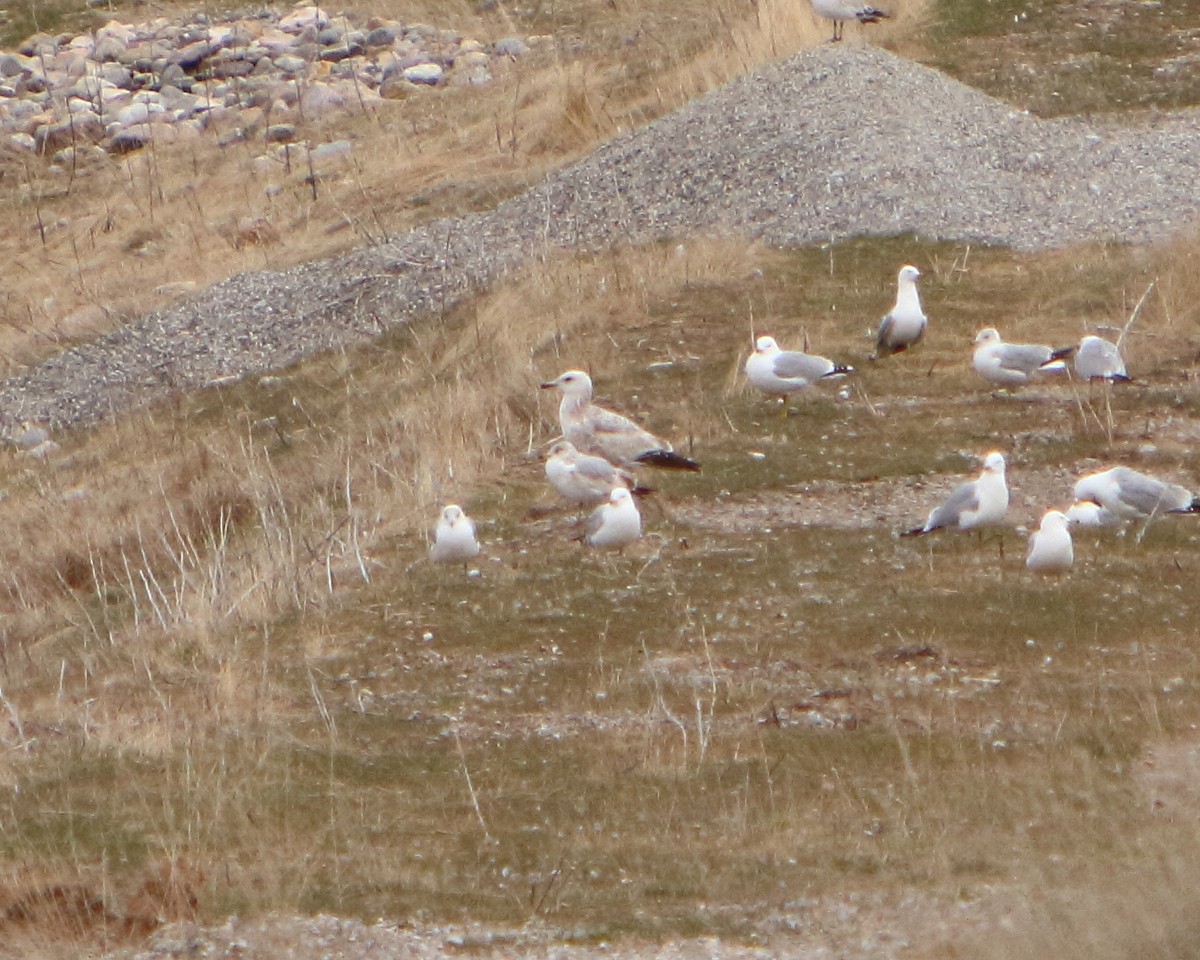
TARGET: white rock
(303,17)
(430,74)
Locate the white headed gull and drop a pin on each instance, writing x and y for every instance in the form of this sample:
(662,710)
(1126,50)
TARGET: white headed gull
(1050,549)
(582,478)
(780,372)
(1013,364)
(616,523)
(454,538)
(1098,359)
(981,502)
(1087,513)
(839,11)
(905,323)
(596,430)
(1129,495)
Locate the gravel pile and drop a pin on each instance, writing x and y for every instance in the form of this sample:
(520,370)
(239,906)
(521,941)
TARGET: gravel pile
(834,142)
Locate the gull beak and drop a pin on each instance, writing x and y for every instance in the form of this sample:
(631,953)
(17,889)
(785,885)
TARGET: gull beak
(549,386)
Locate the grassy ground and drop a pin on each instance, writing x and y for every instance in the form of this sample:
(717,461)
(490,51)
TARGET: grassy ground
(222,642)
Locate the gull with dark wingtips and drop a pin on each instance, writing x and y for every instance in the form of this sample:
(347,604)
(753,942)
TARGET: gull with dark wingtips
(1014,364)
(780,372)
(839,11)
(595,430)
(1130,495)
(905,323)
(979,503)
(1100,359)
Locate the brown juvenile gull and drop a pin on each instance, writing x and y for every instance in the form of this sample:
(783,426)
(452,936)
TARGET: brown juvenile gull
(596,430)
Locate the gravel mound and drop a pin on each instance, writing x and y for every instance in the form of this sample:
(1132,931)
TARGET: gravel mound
(834,142)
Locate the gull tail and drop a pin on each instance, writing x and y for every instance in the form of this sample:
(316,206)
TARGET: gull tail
(914,532)
(871,15)
(839,370)
(640,491)
(1193,507)
(1060,354)
(668,460)
(1118,378)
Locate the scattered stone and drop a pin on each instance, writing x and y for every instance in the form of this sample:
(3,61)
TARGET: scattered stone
(192,74)
(430,74)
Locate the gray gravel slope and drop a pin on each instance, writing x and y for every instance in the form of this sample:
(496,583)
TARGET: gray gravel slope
(834,142)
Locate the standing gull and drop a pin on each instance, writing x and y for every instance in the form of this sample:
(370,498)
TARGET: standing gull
(582,478)
(781,372)
(616,523)
(1013,364)
(454,538)
(979,503)
(1098,359)
(839,11)
(1050,549)
(596,430)
(905,323)
(1130,495)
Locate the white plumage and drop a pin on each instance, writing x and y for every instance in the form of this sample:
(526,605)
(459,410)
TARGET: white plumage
(839,11)
(581,477)
(780,372)
(1050,548)
(905,323)
(979,503)
(616,523)
(1130,495)
(1013,364)
(454,538)
(1098,359)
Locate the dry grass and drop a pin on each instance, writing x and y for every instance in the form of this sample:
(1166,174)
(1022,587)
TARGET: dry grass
(221,641)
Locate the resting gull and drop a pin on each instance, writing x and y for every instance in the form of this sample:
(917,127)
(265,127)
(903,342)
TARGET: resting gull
(616,523)
(454,538)
(593,429)
(1050,549)
(582,478)
(1014,364)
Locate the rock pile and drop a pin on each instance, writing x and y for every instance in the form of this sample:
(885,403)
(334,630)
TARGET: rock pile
(77,99)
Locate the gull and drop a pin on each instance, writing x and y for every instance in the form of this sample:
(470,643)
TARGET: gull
(1050,549)
(596,430)
(616,523)
(454,538)
(582,478)
(981,502)
(780,372)
(905,323)
(1086,513)
(839,11)
(1013,364)
(1130,495)
(1098,359)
